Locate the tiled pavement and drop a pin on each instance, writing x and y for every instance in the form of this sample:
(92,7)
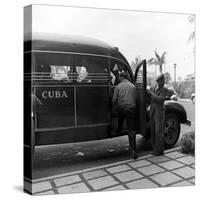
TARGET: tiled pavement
(172,169)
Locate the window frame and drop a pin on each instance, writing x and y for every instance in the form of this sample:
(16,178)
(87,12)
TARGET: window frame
(37,57)
(93,82)
(121,63)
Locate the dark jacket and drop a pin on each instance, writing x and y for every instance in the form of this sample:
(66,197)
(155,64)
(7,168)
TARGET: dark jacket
(125,94)
(157,100)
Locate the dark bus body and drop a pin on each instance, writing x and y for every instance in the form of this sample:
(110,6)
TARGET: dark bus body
(68,88)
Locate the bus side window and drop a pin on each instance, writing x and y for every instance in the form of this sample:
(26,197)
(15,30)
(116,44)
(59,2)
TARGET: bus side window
(54,69)
(92,70)
(116,68)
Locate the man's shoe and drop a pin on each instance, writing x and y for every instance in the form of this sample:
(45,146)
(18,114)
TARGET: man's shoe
(135,155)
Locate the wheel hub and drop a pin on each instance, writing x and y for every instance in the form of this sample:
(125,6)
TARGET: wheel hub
(170,130)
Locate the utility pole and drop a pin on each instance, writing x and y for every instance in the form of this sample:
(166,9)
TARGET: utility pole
(175,76)
(175,73)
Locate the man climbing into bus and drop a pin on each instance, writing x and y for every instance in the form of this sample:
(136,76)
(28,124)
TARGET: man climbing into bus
(158,95)
(125,99)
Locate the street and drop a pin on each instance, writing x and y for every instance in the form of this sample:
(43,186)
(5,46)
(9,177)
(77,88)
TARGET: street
(58,159)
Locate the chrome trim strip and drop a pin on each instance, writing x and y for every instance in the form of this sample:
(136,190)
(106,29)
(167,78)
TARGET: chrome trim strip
(53,81)
(75,53)
(70,127)
(70,85)
(62,73)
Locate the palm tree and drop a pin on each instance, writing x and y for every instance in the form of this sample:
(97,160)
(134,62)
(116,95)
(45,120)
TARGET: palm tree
(135,63)
(158,60)
(191,20)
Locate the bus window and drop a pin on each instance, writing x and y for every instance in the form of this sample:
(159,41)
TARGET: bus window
(92,70)
(116,68)
(54,69)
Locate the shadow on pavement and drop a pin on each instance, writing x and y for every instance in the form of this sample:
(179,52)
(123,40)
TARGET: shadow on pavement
(57,159)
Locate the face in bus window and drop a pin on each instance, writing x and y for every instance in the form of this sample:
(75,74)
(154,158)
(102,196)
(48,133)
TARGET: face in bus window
(82,74)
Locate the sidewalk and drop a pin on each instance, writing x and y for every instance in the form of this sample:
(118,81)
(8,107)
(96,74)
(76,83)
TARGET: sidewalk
(172,169)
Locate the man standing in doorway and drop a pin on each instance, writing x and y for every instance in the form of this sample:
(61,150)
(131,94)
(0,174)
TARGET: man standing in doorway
(157,112)
(125,98)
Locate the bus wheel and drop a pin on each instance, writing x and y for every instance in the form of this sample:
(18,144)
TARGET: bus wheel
(171,130)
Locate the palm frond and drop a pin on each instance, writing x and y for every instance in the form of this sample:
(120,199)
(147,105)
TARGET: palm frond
(163,57)
(157,56)
(192,36)
(156,62)
(191,18)
(151,61)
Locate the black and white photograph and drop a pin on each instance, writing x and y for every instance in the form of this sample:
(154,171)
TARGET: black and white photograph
(109,99)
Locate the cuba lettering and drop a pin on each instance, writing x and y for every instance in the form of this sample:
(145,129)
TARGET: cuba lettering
(50,94)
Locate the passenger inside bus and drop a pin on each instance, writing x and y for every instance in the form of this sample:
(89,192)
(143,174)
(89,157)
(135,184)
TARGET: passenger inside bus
(114,73)
(90,70)
(81,74)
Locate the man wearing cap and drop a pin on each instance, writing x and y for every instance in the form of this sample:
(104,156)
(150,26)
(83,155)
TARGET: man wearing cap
(158,95)
(125,98)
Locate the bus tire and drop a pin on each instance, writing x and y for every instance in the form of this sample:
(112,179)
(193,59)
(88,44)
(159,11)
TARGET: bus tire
(171,130)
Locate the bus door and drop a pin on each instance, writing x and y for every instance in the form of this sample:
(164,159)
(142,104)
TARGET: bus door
(141,101)
(116,66)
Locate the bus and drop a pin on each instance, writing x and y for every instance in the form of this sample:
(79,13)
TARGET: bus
(68,88)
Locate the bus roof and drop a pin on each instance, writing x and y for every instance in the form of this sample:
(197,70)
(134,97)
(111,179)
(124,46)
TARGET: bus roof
(68,43)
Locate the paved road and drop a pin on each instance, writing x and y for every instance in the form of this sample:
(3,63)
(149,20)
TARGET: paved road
(54,160)
(170,170)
